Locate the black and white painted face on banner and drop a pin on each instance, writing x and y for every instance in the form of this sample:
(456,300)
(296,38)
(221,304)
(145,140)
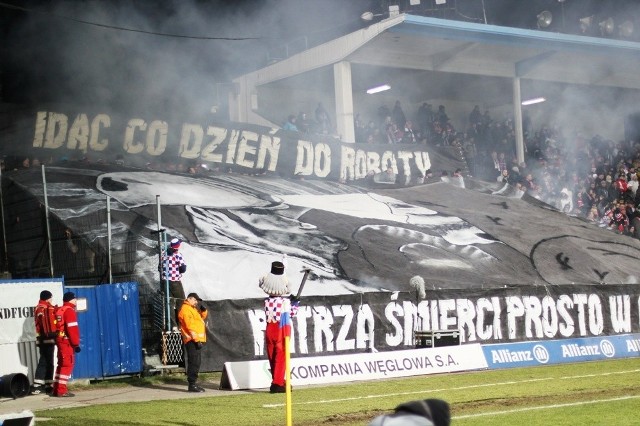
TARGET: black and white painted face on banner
(353,241)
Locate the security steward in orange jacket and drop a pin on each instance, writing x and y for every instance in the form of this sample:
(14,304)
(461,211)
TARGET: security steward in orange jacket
(194,335)
(67,342)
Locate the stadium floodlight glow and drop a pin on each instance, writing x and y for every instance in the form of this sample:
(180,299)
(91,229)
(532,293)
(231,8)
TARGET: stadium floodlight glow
(585,23)
(544,19)
(533,101)
(607,27)
(378,89)
(626,29)
(367,16)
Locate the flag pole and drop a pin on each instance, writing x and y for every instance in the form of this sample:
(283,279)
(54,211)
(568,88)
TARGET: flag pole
(287,380)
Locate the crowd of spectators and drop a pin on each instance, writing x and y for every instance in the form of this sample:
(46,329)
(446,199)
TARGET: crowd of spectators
(592,178)
(391,126)
(320,124)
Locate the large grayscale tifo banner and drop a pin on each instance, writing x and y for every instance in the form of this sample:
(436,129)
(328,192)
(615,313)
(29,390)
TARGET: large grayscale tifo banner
(335,325)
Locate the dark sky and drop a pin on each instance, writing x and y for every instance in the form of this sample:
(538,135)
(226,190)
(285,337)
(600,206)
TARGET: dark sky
(73,51)
(51,53)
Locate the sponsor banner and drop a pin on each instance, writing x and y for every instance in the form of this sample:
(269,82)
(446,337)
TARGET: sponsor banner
(335,325)
(354,367)
(18,302)
(151,142)
(527,354)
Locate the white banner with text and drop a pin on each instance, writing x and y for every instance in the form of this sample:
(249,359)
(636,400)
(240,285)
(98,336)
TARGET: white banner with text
(355,367)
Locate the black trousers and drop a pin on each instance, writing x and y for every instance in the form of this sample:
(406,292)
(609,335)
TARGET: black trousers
(44,370)
(194,358)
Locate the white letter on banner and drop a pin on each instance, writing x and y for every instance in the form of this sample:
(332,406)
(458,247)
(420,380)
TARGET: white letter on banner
(304,159)
(596,323)
(132,146)
(217,135)
(404,156)
(157,137)
(483,305)
(373,162)
(497,318)
(79,133)
(434,315)
(620,311)
(580,300)
(360,164)
(246,148)
(549,317)
(269,144)
(423,315)
(446,306)
(515,310)
(257,321)
(231,147)
(41,124)
(466,315)
(389,160)
(394,338)
(423,163)
(533,312)
(322,322)
(365,329)
(347,163)
(567,329)
(410,321)
(322,161)
(95,143)
(346,311)
(300,320)
(56,134)
(189,132)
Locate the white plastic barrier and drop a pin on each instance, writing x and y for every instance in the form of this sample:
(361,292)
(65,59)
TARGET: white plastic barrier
(361,366)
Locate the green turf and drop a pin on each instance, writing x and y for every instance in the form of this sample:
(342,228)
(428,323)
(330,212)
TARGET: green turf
(596,393)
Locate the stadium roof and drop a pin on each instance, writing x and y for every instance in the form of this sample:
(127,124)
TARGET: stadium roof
(459,60)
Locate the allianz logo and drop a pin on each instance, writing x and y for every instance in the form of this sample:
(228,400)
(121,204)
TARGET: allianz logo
(633,345)
(537,353)
(605,347)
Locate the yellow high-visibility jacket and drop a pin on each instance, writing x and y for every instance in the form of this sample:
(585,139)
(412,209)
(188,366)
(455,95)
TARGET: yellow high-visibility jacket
(192,326)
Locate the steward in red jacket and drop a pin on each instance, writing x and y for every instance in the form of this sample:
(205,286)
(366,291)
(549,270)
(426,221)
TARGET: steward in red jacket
(46,330)
(68,342)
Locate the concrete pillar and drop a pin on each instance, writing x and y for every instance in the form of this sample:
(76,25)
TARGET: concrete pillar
(517,118)
(344,101)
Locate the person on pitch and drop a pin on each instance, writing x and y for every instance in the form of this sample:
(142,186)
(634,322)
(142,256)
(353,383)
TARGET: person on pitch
(193,327)
(172,267)
(278,301)
(68,344)
(46,333)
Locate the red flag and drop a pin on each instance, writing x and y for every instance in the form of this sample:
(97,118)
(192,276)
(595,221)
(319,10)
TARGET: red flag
(285,324)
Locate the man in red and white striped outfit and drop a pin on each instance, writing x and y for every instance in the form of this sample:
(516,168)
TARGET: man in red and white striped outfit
(276,285)
(68,343)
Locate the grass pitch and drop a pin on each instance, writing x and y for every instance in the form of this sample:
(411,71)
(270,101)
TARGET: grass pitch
(595,393)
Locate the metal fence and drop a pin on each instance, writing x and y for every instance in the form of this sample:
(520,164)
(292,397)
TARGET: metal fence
(41,239)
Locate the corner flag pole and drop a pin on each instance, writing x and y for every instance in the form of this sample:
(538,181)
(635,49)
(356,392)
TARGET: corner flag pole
(287,356)
(287,380)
